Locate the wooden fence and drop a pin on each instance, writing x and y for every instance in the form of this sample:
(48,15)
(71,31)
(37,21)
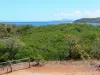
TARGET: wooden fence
(10,66)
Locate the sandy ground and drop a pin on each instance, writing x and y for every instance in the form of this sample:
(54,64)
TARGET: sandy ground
(67,70)
(59,69)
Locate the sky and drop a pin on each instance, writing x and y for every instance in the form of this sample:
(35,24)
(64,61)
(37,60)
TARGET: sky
(47,10)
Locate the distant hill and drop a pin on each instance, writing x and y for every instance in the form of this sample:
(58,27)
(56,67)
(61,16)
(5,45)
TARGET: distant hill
(60,21)
(88,20)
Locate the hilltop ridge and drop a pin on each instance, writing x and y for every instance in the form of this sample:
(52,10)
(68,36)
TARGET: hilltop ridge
(88,20)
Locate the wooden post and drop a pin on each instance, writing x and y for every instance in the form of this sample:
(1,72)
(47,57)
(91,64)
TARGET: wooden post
(10,65)
(29,63)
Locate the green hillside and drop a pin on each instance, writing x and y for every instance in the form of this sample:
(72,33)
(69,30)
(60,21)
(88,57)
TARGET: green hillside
(52,42)
(88,20)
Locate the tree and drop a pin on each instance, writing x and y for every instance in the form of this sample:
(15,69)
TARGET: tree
(76,50)
(12,46)
(96,48)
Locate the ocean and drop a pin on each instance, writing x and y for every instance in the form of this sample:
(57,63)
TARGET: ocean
(36,23)
(44,23)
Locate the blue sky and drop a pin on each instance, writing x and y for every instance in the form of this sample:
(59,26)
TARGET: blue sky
(45,10)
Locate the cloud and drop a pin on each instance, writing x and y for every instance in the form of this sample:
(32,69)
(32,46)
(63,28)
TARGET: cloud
(90,14)
(79,14)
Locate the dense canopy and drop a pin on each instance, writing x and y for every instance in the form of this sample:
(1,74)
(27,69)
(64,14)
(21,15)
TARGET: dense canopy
(51,42)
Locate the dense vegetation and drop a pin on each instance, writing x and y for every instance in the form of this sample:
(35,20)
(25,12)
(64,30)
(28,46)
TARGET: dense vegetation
(52,42)
(88,20)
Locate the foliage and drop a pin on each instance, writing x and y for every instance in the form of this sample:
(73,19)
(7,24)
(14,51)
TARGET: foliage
(51,42)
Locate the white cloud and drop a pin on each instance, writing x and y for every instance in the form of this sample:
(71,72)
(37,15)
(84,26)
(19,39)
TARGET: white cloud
(78,14)
(90,14)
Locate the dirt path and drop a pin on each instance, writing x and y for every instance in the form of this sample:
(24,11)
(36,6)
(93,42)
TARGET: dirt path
(56,68)
(67,70)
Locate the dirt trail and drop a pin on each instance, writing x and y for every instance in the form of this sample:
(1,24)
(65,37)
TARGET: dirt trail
(69,68)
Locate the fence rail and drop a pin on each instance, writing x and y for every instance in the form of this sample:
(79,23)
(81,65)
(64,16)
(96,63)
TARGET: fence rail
(9,66)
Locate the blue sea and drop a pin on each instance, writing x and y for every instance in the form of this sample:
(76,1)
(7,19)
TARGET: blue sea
(94,24)
(44,23)
(37,23)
